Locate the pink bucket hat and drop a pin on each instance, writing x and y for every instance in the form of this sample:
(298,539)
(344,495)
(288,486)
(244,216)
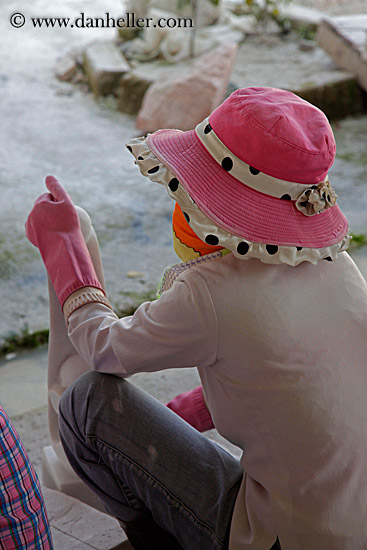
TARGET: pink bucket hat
(252,177)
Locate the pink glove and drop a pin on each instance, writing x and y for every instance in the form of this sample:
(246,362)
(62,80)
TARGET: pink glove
(53,226)
(191,407)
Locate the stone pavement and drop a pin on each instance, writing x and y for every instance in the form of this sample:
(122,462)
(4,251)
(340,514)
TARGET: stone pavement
(76,526)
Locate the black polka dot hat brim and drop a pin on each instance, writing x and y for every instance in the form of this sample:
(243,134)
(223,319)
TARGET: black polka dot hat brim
(210,228)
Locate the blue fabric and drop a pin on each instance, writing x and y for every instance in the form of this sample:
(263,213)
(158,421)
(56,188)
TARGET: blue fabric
(141,458)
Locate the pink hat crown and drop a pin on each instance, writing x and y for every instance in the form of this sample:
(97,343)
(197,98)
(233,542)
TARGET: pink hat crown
(277,133)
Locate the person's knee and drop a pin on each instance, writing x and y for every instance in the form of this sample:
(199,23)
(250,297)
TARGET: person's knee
(75,398)
(87,398)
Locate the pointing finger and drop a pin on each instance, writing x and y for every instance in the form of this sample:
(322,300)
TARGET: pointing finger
(55,188)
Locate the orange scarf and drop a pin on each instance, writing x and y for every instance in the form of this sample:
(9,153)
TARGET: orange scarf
(186,243)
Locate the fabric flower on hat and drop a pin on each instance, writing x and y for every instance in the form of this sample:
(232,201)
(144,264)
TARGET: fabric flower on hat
(316,199)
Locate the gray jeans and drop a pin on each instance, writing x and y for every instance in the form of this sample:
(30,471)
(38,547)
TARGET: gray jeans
(144,461)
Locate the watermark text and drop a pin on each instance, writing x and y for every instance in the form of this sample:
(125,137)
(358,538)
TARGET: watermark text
(129,21)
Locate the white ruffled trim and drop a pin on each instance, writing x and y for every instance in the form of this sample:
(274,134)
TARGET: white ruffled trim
(243,249)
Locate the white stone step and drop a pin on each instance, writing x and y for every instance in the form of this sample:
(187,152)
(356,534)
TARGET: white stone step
(345,40)
(77,526)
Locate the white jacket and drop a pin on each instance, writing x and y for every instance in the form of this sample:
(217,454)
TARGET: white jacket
(282,355)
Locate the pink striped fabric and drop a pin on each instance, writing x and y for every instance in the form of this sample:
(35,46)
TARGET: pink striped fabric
(23,518)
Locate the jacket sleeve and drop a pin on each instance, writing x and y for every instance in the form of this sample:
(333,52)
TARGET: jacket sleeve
(178,330)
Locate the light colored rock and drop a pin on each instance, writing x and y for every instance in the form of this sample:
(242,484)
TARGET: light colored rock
(104,65)
(131,90)
(173,44)
(133,85)
(138,7)
(345,40)
(186,100)
(301,15)
(66,68)
(337,99)
(207,12)
(148,45)
(223,34)
(306,45)
(275,62)
(71,518)
(125,33)
(336,7)
(245,24)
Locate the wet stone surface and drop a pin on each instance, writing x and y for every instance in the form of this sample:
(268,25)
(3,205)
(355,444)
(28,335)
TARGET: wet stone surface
(81,142)
(52,127)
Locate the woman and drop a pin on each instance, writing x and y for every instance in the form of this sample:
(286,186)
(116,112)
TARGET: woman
(268,306)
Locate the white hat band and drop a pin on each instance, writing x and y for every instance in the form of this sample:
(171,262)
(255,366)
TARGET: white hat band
(309,200)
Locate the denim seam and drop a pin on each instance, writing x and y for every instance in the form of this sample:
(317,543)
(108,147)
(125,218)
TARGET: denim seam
(128,498)
(163,487)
